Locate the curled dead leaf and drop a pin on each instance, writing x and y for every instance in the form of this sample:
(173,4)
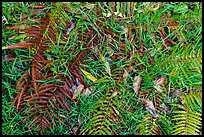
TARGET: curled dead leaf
(161,80)
(156,7)
(114,94)
(80,120)
(137,83)
(77,91)
(150,107)
(88,6)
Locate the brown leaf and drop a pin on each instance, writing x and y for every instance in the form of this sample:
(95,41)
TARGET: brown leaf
(88,6)
(137,83)
(161,80)
(77,91)
(156,7)
(114,94)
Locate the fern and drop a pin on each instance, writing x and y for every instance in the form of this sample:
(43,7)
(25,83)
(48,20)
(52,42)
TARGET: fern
(187,117)
(43,91)
(106,117)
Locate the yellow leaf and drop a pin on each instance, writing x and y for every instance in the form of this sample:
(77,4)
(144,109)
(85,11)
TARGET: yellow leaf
(91,77)
(103,79)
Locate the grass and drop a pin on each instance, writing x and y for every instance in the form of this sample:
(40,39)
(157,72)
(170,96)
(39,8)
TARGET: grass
(180,63)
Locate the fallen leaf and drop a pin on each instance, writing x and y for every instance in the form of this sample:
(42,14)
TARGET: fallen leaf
(4,20)
(161,80)
(88,6)
(77,91)
(158,88)
(149,104)
(89,76)
(125,31)
(108,68)
(151,112)
(75,130)
(118,14)
(114,94)
(155,8)
(137,83)
(86,92)
(150,107)
(80,120)
(107,14)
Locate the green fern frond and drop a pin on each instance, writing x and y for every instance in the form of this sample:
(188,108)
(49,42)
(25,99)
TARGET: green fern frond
(188,123)
(148,126)
(105,120)
(188,119)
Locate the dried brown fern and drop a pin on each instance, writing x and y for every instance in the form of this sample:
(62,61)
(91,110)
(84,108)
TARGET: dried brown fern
(35,99)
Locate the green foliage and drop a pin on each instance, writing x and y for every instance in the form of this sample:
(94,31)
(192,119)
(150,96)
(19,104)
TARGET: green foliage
(187,116)
(45,46)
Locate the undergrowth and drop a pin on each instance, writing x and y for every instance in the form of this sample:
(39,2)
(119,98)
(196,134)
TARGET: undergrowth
(107,68)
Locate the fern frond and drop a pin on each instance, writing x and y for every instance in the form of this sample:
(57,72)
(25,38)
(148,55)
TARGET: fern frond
(188,118)
(106,118)
(148,126)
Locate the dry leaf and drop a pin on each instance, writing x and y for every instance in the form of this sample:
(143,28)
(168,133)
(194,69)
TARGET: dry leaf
(74,130)
(125,75)
(91,77)
(137,83)
(107,14)
(149,104)
(155,8)
(88,6)
(151,112)
(77,91)
(118,14)
(158,88)
(108,68)
(125,30)
(161,80)
(150,107)
(80,120)
(114,94)
(4,20)
(86,92)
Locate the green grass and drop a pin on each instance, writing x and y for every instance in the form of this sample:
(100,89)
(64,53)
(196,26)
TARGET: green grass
(180,63)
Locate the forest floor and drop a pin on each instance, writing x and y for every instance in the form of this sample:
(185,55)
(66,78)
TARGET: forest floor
(102,68)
